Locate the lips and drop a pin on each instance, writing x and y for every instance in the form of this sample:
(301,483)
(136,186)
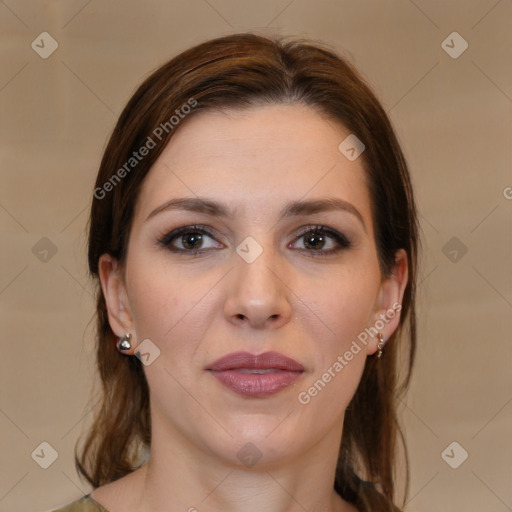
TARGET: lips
(256,376)
(265,361)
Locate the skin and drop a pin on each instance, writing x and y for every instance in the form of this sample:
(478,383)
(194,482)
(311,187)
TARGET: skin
(197,308)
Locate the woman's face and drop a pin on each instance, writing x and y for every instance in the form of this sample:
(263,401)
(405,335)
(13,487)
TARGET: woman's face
(265,265)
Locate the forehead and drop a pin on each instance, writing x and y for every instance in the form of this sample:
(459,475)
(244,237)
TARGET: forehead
(256,159)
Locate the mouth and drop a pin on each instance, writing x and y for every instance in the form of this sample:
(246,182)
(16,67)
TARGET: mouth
(259,371)
(256,376)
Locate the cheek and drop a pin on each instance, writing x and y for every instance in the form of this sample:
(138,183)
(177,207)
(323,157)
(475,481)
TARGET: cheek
(345,305)
(341,314)
(340,356)
(169,308)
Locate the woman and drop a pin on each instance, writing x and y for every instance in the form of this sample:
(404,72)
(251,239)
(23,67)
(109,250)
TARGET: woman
(254,233)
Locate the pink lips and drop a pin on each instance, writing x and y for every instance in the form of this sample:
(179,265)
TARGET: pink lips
(256,376)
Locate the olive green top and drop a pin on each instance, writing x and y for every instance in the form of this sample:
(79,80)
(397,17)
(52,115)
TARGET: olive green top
(84,504)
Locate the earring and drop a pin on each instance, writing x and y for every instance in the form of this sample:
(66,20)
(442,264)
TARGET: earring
(380,345)
(123,344)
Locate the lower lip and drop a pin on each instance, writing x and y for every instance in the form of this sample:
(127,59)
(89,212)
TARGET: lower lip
(257,385)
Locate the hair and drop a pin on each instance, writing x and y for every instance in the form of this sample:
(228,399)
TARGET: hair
(241,71)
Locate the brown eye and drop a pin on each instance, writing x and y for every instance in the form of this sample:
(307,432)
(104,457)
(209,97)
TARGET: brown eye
(314,241)
(322,241)
(192,240)
(189,240)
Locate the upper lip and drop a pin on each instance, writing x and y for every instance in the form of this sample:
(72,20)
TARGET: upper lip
(265,361)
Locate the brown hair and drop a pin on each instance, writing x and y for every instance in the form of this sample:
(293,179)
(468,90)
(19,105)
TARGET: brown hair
(235,72)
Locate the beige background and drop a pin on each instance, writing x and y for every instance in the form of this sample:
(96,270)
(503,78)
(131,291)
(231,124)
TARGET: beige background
(453,117)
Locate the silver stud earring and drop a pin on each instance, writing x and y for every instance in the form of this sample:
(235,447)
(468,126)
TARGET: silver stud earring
(380,345)
(123,344)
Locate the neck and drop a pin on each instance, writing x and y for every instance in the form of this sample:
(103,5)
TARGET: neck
(181,477)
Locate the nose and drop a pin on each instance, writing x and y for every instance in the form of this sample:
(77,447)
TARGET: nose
(257,293)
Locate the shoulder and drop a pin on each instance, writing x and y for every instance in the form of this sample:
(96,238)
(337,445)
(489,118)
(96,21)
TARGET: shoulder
(83,504)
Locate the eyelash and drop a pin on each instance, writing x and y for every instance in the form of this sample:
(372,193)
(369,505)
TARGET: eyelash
(341,239)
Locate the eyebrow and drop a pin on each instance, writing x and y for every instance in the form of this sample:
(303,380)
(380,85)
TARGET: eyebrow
(293,209)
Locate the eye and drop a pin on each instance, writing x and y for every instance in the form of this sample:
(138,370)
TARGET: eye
(316,240)
(322,241)
(189,240)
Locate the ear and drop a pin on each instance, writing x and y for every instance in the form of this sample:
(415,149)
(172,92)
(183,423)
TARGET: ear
(385,317)
(114,291)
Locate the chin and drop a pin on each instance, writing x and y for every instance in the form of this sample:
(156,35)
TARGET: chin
(258,444)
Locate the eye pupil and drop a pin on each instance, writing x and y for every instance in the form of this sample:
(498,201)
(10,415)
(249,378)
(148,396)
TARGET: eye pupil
(192,240)
(313,239)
